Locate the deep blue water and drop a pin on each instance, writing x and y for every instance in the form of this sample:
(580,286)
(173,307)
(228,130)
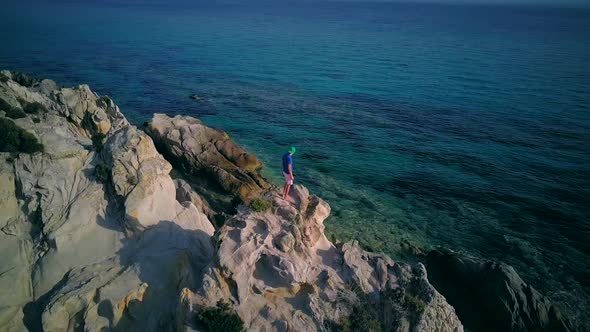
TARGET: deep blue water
(462,126)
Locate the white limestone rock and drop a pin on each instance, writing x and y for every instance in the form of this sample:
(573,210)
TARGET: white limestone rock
(66,257)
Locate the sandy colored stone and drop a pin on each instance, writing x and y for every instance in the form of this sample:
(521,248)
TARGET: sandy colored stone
(210,151)
(278,266)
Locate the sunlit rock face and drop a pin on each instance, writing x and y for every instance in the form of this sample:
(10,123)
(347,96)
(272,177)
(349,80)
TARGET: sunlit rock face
(209,152)
(83,248)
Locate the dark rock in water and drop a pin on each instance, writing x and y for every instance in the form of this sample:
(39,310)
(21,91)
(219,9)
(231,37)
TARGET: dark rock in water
(197,97)
(491,296)
(410,248)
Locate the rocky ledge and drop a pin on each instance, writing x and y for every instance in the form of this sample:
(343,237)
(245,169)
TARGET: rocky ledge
(280,273)
(99,232)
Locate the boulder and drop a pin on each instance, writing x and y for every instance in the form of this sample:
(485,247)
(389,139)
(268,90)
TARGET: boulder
(210,152)
(94,297)
(15,279)
(139,175)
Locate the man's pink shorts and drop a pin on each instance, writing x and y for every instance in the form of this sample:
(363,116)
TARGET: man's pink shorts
(288,178)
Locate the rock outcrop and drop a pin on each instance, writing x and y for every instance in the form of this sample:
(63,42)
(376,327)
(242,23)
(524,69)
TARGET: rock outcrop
(209,152)
(92,235)
(281,273)
(491,296)
(140,175)
(97,236)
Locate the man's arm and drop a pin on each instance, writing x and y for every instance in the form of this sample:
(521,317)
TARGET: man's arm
(291,171)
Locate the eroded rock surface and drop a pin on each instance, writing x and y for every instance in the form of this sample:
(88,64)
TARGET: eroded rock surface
(281,273)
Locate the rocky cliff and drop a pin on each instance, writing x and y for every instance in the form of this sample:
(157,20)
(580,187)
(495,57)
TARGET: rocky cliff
(97,236)
(99,232)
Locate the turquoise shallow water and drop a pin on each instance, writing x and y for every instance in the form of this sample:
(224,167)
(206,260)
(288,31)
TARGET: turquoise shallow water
(461,126)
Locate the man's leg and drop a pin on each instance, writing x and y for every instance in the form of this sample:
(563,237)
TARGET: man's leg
(286,190)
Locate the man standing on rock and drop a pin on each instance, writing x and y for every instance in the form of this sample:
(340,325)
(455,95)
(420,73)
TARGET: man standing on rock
(288,171)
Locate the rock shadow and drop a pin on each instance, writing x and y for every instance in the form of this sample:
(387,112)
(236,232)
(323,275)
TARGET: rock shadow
(157,244)
(300,301)
(33,311)
(167,258)
(105,309)
(268,271)
(203,183)
(330,258)
(333,258)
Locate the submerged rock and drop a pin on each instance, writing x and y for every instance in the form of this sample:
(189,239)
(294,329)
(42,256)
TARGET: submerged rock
(197,97)
(491,296)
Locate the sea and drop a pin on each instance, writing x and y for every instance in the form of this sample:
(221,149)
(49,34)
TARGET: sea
(455,125)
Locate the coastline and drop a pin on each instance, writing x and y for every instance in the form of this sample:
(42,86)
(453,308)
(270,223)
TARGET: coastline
(235,171)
